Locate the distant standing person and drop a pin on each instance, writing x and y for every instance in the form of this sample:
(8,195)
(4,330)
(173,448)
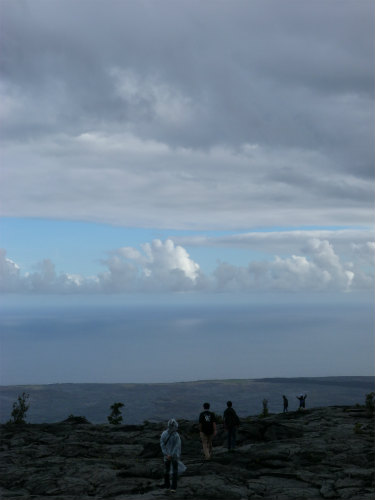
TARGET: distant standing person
(285,402)
(231,422)
(302,403)
(170,443)
(207,428)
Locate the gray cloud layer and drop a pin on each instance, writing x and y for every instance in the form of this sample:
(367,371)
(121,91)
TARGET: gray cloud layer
(188,114)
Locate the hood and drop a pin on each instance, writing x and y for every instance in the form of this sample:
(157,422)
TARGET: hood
(172,425)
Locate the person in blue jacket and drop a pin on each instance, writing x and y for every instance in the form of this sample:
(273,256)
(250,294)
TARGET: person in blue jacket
(170,443)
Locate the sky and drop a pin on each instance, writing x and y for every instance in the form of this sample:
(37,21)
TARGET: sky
(174,154)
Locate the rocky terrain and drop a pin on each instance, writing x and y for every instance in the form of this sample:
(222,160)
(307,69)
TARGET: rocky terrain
(313,454)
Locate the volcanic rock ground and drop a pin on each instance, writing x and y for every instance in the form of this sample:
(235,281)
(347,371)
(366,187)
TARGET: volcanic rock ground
(314,454)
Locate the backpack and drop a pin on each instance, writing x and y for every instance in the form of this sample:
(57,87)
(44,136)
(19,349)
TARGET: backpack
(230,418)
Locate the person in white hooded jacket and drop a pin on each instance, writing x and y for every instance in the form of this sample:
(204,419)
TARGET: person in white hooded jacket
(170,443)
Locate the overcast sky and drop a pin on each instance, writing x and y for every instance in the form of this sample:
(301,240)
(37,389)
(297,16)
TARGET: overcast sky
(204,126)
(187,147)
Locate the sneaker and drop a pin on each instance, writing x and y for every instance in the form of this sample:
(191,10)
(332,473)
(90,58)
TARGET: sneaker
(172,491)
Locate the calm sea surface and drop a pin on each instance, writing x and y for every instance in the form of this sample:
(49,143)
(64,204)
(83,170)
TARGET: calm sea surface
(94,342)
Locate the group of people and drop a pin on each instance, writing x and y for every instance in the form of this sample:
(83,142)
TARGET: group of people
(302,402)
(170,441)
(207,427)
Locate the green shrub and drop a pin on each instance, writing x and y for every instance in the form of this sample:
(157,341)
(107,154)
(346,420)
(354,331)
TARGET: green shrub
(265,407)
(76,419)
(265,411)
(115,418)
(357,428)
(370,402)
(219,419)
(20,408)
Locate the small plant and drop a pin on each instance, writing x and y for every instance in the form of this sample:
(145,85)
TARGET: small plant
(76,419)
(219,419)
(265,411)
(358,428)
(20,408)
(115,418)
(370,402)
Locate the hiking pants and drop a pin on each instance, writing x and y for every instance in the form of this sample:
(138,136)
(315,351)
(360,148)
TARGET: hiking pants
(231,438)
(167,480)
(207,444)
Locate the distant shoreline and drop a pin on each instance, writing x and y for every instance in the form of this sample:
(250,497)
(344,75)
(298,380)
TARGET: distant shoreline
(203,381)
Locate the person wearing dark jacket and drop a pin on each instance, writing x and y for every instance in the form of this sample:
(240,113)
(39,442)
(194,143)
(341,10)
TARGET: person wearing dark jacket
(207,428)
(302,401)
(231,422)
(285,401)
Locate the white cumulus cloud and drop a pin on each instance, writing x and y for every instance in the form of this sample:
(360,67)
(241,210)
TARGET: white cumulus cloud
(9,273)
(320,268)
(166,266)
